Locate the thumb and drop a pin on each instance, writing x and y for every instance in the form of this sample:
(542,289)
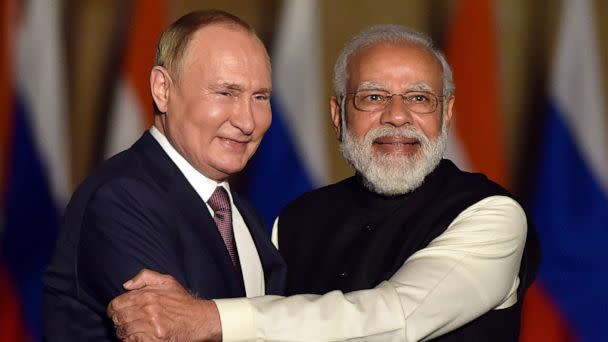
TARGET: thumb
(144,278)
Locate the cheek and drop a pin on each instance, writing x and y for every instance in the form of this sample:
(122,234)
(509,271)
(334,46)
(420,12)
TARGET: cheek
(359,124)
(430,126)
(263,120)
(204,123)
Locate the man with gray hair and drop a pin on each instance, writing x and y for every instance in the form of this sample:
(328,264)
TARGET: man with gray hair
(410,248)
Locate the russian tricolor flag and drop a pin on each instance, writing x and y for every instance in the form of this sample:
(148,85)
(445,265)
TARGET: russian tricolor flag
(570,205)
(292,157)
(34,159)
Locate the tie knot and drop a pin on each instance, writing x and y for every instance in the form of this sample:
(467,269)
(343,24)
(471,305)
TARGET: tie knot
(219,200)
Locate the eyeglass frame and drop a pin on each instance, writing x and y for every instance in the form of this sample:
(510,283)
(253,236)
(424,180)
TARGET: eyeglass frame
(390,97)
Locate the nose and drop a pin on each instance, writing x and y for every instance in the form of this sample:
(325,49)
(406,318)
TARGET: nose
(396,113)
(242,118)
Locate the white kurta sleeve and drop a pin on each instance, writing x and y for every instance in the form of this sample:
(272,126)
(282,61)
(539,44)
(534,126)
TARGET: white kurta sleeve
(469,269)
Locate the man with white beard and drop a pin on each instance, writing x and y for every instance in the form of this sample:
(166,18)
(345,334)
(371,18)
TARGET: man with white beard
(410,248)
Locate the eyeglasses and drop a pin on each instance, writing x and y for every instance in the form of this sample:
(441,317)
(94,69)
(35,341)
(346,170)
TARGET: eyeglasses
(419,102)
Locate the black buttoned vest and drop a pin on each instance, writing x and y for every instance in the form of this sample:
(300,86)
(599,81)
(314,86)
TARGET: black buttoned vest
(345,237)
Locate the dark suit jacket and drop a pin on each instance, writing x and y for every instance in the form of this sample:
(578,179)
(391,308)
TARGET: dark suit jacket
(138,210)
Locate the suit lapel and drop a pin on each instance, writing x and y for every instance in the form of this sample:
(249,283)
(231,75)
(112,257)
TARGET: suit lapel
(188,203)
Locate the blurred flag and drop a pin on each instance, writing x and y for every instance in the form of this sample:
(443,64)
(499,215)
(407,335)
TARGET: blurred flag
(570,205)
(132,106)
(34,155)
(292,158)
(476,138)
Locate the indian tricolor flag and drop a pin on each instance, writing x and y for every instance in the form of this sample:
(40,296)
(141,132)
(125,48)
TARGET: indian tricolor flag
(132,107)
(476,138)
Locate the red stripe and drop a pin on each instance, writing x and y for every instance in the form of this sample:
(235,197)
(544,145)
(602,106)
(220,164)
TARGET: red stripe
(12,327)
(541,320)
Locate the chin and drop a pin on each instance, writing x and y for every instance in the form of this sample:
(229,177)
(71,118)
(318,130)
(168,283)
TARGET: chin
(231,168)
(410,156)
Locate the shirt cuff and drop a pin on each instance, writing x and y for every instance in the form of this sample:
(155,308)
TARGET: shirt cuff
(236,317)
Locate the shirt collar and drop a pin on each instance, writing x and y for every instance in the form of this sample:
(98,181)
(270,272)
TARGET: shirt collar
(203,185)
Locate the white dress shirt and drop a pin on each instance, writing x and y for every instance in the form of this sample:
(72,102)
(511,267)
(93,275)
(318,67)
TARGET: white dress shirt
(253,274)
(469,269)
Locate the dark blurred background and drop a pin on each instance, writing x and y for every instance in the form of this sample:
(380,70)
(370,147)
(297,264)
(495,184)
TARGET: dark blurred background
(530,114)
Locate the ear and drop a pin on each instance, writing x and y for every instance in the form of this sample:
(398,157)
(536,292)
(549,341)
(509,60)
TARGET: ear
(159,86)
(336,118)
(449,111)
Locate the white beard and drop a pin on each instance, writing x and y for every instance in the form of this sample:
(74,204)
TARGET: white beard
(389,174)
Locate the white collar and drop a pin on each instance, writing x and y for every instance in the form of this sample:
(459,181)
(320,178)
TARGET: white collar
(203,185)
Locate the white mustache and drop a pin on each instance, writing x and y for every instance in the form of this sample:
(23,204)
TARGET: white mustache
(405,132)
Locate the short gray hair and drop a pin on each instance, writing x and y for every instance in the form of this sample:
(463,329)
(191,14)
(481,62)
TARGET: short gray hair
(387,33)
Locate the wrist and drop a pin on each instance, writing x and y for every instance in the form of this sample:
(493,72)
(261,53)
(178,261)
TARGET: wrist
(207,326)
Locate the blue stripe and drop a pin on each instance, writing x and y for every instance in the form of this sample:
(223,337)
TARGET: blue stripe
(275,175)
(31,221)
(571,213)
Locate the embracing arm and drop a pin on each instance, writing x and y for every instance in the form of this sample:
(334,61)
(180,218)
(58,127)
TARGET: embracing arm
(468,270)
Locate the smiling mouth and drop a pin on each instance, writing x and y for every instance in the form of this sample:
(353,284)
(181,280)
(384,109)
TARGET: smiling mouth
(235,141)
(397,141)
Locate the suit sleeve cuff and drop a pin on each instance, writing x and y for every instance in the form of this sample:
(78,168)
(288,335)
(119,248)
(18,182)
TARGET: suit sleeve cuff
(236,317)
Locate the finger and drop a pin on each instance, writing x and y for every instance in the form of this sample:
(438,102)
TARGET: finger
(127,315)
(123,301)
(141,337)
(146,277)
(139,328)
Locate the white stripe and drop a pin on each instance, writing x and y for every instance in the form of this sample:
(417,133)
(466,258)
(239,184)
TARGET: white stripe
(126,122)
(298,81)
(40,79)
(576,86)
(455,151)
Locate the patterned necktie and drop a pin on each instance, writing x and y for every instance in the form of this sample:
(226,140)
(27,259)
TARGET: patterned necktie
(220,203)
